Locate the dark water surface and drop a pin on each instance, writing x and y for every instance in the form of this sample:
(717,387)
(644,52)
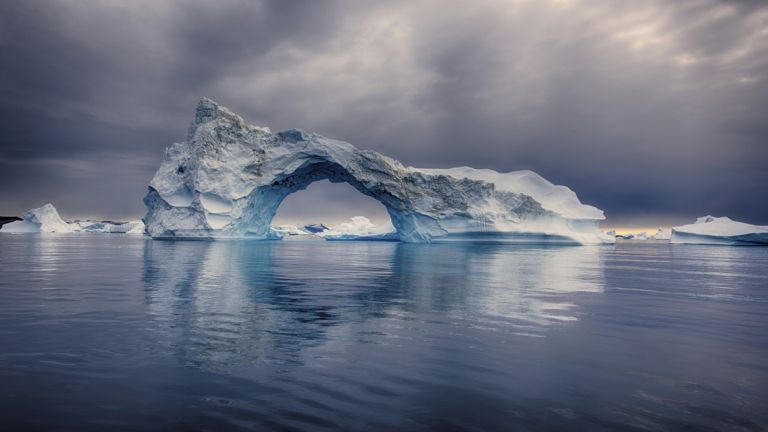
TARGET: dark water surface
(111,332)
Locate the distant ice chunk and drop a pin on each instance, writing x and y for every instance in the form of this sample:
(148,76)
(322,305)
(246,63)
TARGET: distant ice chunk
(361,228)
(43,219)
(291,230)
(109,227)
(720,230)
(662,234)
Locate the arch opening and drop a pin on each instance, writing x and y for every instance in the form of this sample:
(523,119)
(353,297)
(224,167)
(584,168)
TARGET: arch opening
(330,204)
(351,210)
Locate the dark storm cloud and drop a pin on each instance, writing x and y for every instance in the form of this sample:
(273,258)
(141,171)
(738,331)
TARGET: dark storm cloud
(652,111)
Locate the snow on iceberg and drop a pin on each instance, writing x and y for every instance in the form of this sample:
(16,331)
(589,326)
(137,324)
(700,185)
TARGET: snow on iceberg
(43,219)
(720,230)
(228,179)
(361,228)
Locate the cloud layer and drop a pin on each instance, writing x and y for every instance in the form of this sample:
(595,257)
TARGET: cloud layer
(653,111)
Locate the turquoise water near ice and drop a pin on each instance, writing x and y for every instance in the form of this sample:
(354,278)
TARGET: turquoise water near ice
(113,332)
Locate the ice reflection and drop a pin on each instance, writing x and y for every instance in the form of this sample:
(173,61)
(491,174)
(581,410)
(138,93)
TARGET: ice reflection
(220,304)
(531,284)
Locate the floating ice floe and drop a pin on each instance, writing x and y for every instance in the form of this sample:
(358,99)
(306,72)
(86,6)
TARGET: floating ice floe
(720,230)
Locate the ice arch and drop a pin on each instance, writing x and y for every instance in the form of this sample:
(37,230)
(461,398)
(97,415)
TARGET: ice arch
(228,179)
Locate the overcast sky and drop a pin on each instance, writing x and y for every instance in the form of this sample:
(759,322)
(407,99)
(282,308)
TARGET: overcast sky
(654,111)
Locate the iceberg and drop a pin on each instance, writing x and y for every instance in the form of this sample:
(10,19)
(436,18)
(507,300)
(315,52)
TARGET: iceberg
(46,219)
(43,219)
(720,230)
(662,234)
(291,230)
(360,228)
(109,227)
(227,179)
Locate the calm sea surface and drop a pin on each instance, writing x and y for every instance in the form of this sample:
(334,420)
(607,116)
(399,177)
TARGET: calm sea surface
(112,332)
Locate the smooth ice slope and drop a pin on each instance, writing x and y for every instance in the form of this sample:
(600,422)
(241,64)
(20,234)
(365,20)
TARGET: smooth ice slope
(228,179)
(43,219)
(720,230)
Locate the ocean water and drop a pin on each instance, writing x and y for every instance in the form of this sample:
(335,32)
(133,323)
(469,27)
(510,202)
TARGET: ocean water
(112,332)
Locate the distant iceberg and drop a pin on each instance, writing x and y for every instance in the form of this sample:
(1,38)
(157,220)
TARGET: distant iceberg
(662,234)
(720,230)
(289,230)
(109,227)
(315,228)
(43,219)
(361,228)
(46,219)
(228,178)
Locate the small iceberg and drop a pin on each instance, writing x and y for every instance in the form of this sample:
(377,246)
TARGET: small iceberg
(721,231)
(662,234)
(361,228)
(43,219)
(46,219)
(109,227)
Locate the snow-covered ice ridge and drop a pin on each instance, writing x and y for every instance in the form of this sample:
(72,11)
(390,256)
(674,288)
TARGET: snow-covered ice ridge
(46,219)
(228,179)
(720,230)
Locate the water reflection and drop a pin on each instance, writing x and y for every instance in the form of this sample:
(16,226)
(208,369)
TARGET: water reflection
(147,335)
(220,304)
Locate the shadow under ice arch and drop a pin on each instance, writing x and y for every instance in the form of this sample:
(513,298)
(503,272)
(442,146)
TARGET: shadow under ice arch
(228,179)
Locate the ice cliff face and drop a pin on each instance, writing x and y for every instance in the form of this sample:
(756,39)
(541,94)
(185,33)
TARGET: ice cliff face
(720,230)
(228,179)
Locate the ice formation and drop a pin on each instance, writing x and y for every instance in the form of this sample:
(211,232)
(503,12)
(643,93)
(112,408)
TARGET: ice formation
(46,219)
(132,227)
(720,230)
(662,234)
(292,230)
(228,179)
(43,219)
(361,228)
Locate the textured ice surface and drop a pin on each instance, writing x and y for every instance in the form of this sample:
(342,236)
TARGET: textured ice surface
(720,230)
(228,179)
(43,219)
(46,219)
